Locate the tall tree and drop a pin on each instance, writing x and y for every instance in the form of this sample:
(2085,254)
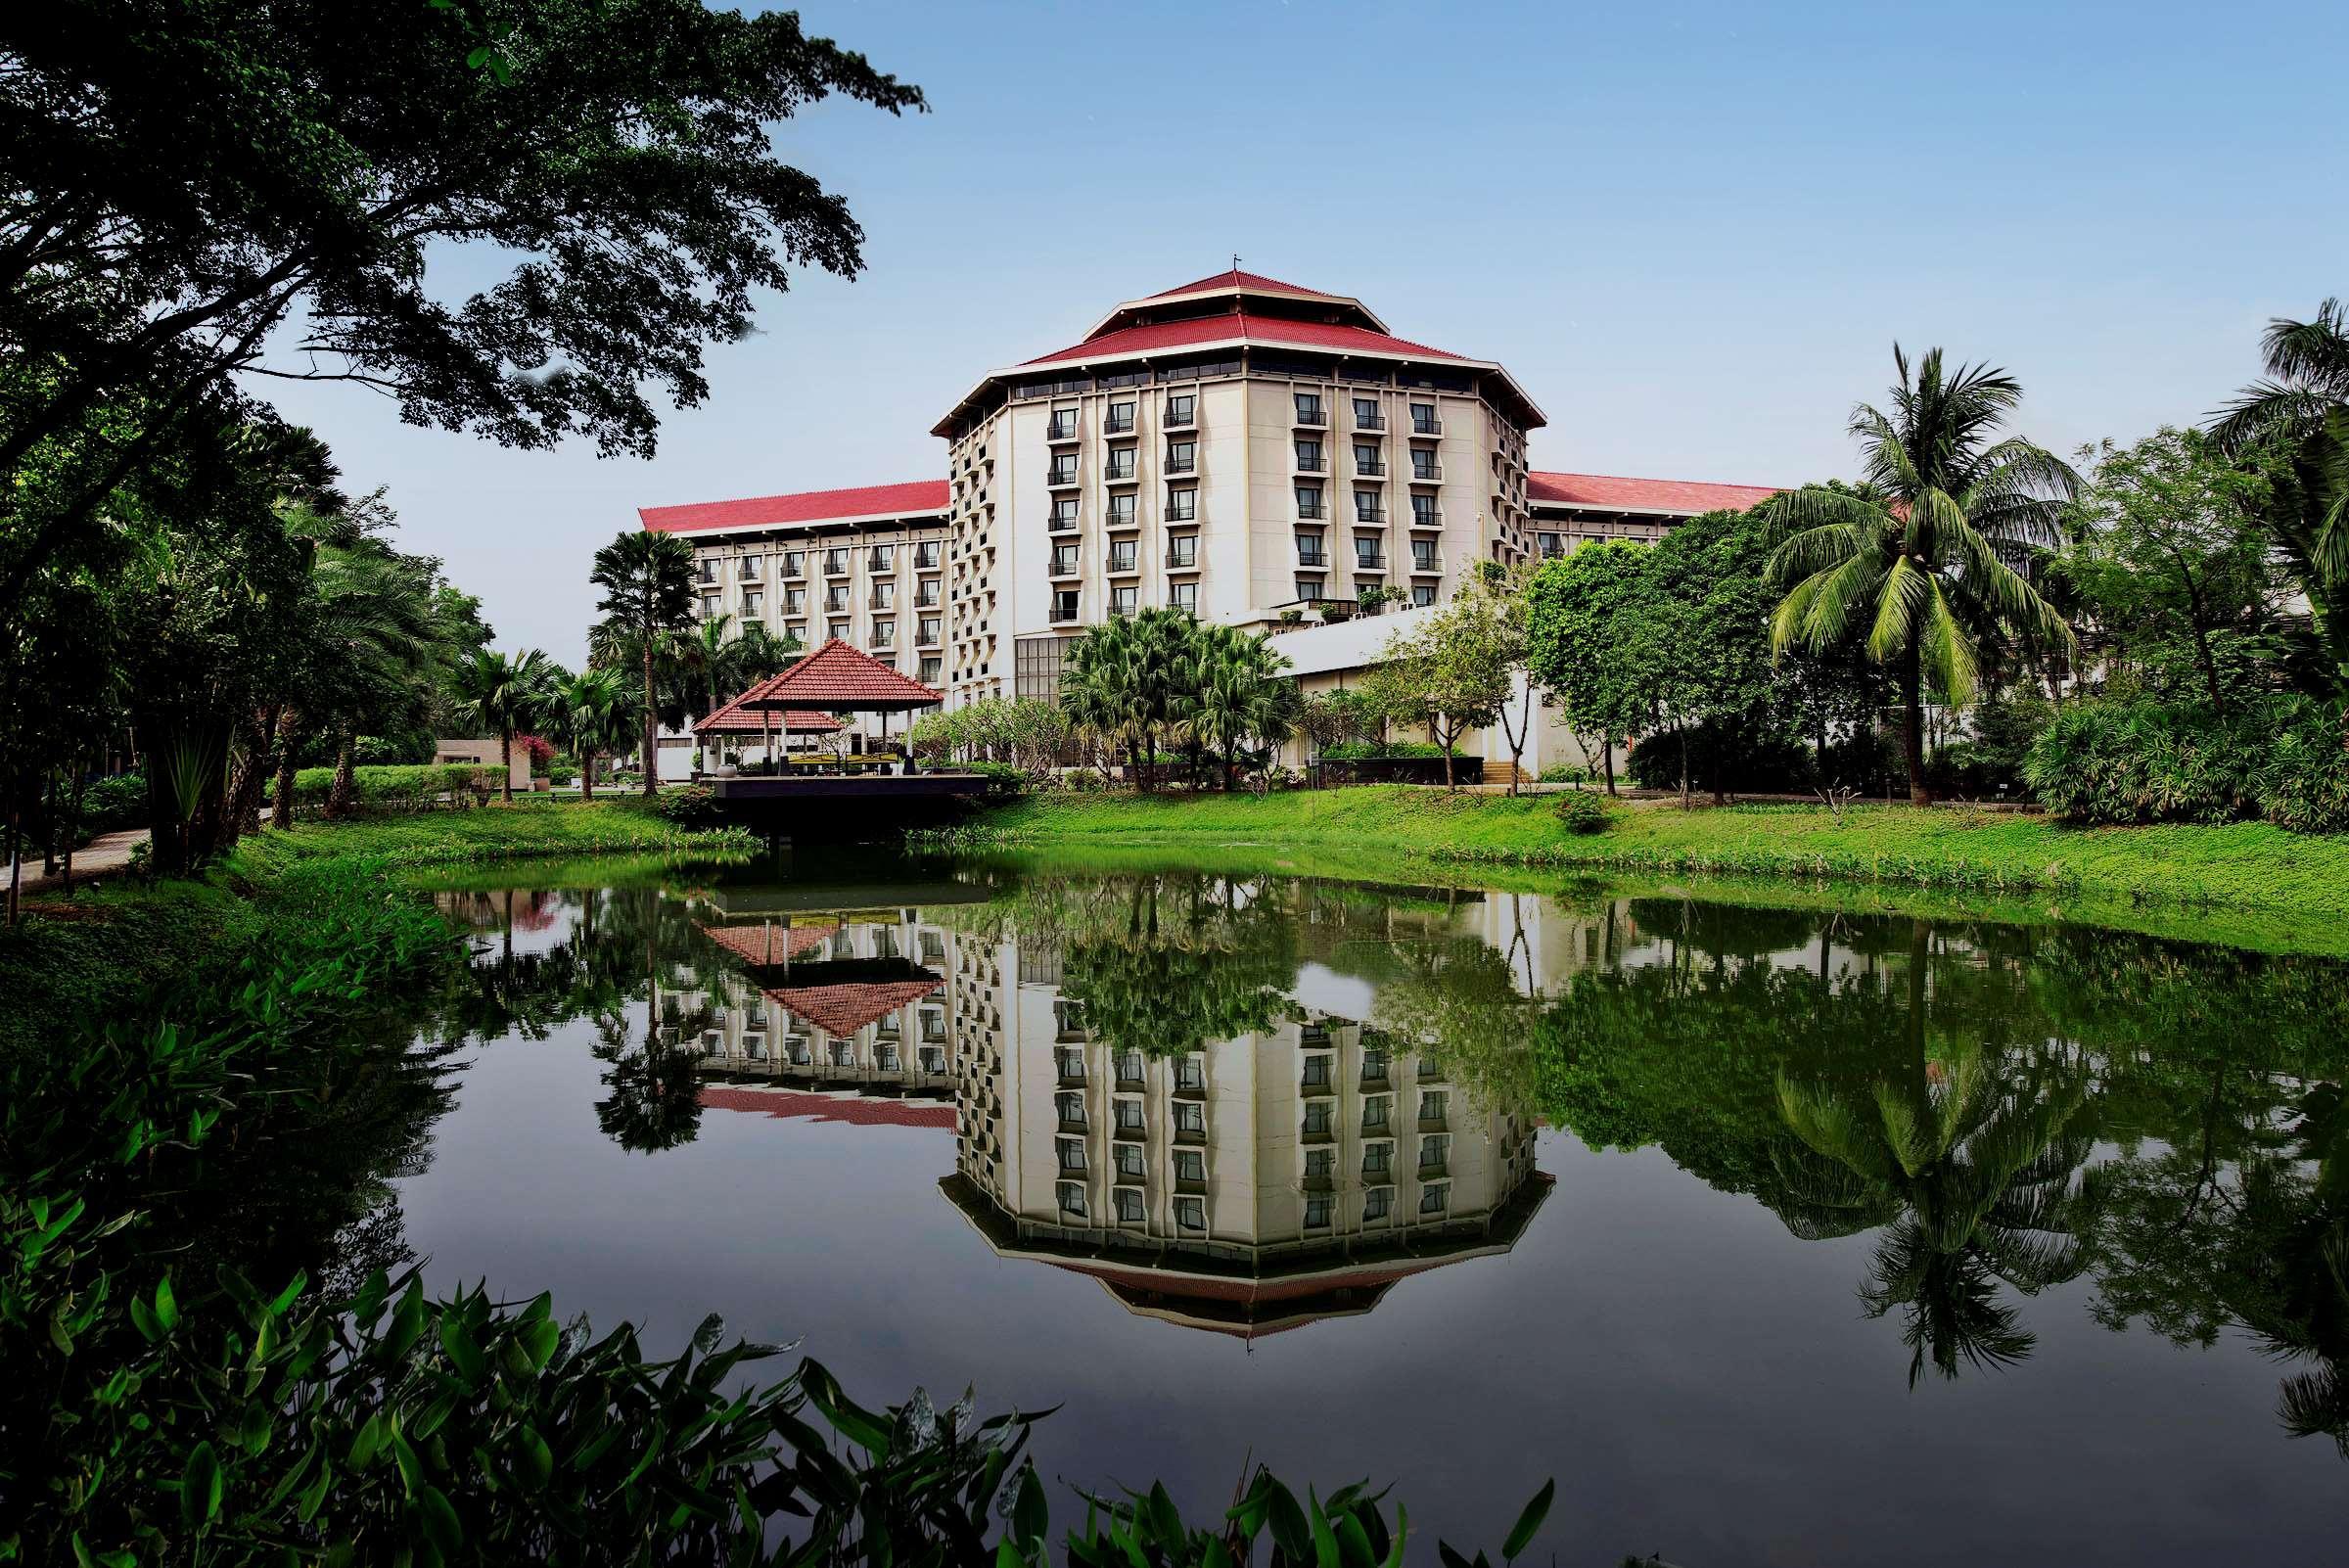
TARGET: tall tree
(504,695)
(1126,682)
(1449,676)
(593,713)
(647,581)
(1921,553)
(1581,610)
(193,184)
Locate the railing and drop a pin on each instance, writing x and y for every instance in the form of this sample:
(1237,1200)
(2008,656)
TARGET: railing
(1311,465)
(1426,426)
(1062,615)
(1311,558)
(1116,426)
(1372,469)
(1060,524)
(881,561)
(1185,420)
(1061,429)
(1370,517)
(1429,519)
(1124,472)
(1369,563)
(1122,563)
(1315,418)
(1182,465)
(1315,514)
(1362,421)
(1184,561)
(1427,473)
(1060,475)
(1425,563)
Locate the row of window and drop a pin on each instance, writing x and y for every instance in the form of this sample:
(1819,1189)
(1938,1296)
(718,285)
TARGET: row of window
(1181,412)
(1182,555)
(1313,457)
(1315,590)
(1191,1210)
(1124,599)
(927,553)
(1313,411)
(1369,552)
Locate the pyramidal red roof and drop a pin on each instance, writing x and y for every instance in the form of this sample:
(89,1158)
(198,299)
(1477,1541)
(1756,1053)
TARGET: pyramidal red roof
(840,679)
(768,943)
(847,1007)
(735,720)
(1236,279)
(914,499)
(1243,325)
(1607,491)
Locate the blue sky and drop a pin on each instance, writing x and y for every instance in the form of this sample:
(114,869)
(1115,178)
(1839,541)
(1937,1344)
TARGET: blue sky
(1691,230)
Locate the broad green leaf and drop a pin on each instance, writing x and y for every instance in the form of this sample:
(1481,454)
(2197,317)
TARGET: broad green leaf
(200,1487)
(1528,1522)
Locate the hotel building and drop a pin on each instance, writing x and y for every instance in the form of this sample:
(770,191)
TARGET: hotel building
(1236,446)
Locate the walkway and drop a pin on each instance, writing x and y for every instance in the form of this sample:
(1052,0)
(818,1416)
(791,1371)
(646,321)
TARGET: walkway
(103,856)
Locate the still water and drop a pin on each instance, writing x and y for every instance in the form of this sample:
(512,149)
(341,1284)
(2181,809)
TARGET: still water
(1775,1237)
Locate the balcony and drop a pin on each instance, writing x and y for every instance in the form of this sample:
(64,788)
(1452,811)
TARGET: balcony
(881,561)
(1057,524)
(1427,473)
(1183,418)
(1314,512)
(1429,517)
(1187,562)
(1314,1136)
(880,601)
(1369,468)
(1065,565)
(1313,463)
(1060,478)
(1376,562)
(794,566)
(1370,517)
(1129,1133)
(1062,613)
(1316,417)
(1061,429)
(927,637)
(1312,558)
(1182,465)
(1362,421)
(1122,566)
(1428,425)
(1117,425)
(1129,519)
(836,566)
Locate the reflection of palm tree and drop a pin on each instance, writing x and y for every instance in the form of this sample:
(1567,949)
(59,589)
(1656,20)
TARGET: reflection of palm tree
(1970,1172)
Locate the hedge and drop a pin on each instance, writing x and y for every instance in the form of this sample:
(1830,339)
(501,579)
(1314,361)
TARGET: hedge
(397,785)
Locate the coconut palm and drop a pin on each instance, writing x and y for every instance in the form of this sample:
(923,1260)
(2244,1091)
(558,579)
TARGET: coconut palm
(504,695)
(593,712)
(1126,681)
(1242,700)
(1921,552)
(647,581)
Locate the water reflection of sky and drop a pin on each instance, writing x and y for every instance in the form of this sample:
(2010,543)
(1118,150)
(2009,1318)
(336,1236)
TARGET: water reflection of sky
(1702,1383)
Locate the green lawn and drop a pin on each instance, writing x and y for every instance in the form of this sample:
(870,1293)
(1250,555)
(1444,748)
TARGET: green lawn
(2245,867)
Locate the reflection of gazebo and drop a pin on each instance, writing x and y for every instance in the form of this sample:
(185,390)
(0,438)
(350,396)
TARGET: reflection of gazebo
(735,721)
(837,678)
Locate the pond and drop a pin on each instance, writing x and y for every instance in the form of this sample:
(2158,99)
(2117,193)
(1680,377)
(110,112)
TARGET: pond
(1775,1235)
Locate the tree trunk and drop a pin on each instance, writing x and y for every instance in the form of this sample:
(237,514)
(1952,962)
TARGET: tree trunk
(1913,731)
(245,788)
(74,826)
(1450,783)
(1681,734)
(1606,751)
(16,862)
(289,731)
(505,766)
(652,768)
(587,775)
(339,796)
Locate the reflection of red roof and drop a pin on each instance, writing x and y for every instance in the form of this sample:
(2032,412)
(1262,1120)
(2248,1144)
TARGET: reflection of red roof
(918,498)
(768,943)
(843,678)
(859,1111)
(1243,324)
(735,720)
(847,1007)
(1607,492)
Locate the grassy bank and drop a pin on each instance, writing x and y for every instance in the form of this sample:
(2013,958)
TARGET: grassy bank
(2246,866)
(79,960)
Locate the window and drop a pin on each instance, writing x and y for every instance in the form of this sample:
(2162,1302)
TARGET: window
(1183,596)
(1063,426)
(835,563)
(799,632)
(1129,1115)
(1122,461)
(925,631)
(1120,555)
(1064,514)
(1121,510)
(1317,1120)
(1191,1214)
(1424,421)
(1064,604)
(1182,409)
(1130,1161)
(1378,1203)
(1320,1164)
(1366,508)
(1190,1165)
(1366,459)
(925,555)
(1062,472)
(1309,455)
(754,604)
(795,601)
(1190,1072)
(1316,1209)
(1377,1159)
(1308,409)
(1423,554)
(1434,1150)
(1424,464)
(1366,556)
(1071,1108)
(795,563)
(1423,512)
(1429,1067)
(709,565)
(1422,594)
(1182,457)
(1552,546)
(1072,1153)
(748,570)
(1182,503)
(1435,1197)
(1069,1064)
(1189,1117)
(932,669)
(837,628)
(1182,552)
(1309,501)
(1374,1111)
(1129,1207)
(1309,549)
(926,596)
(1366,413)
(1120,419)
(1064,560)
(885,633)
(1071,1198)
(1374,1064)
(932,1059)
(1433,1104)
(1124,601)
(885,595)
(884,558)
(837,597)
(1316,1071)
(709,605)
(1309,589)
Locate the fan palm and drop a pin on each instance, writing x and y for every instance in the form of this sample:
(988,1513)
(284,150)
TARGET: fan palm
(503,695)
(592,711)
(1920,552)
(647,581)
(1125,681)
(1242,699)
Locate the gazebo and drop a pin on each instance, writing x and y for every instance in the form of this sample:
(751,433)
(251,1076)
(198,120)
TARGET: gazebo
(734,720)
(837,678)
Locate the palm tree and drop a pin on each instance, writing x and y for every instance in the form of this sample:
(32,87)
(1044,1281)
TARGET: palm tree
(709,653)
(1243,699)
(378,635)
(591,710)
(1124,680)
(647,581)
(504,695)
(2303,406)
(1920,551)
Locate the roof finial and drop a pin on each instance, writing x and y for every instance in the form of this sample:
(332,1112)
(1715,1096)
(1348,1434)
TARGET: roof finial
(1235,260)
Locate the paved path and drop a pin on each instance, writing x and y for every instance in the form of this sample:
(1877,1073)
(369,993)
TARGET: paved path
(106,853)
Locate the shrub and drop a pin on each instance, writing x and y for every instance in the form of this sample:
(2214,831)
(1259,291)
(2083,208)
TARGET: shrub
(395,788)
(1005,780)
(693,806)
(1583,812)
(1728,757)
(111,805)
(2124,762)
(1988,763)
(1566,774)
(1363,751)
(2304,782)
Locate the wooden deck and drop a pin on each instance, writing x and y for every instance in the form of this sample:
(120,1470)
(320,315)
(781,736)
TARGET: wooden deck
(845,808)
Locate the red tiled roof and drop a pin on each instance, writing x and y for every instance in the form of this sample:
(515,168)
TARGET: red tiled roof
(847,1007)
(1236,279)
(1607,491)
(840,679)
(767,943)
(1241,324)
(915,498)
(735,720)
(862,1111)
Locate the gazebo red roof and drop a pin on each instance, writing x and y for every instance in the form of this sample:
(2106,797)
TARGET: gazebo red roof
(735,720)
(862,1112)
(767,943)
(847,1007)
(840,679)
